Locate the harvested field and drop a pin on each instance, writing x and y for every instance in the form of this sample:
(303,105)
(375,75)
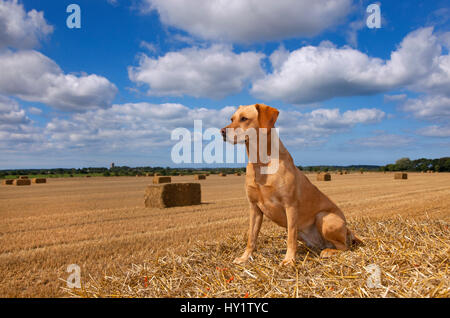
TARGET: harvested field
(101,224)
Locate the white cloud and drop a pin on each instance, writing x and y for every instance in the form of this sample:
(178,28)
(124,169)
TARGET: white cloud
(144,126)
(394,98)
(435,131)
(20,29)
(152,48)
(383,141)
(312,74)
(11,113)
(16,129)
(438,79)
(138,126)
(319,124)
(34,110)
(32,76)
(251,20)
(445,39)
(432,108)
(213,72)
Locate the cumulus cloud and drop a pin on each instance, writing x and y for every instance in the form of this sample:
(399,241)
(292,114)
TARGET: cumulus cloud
(32,76)
(16,129)
(138,126)
(144,126)
(251,20)
(213,72)
(317,73)
(11,113)
(432,108)
(319,124)
(438,79)
(20,29)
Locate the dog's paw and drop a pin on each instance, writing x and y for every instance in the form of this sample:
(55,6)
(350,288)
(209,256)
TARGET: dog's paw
(328,252)
(240,260)
(288,261)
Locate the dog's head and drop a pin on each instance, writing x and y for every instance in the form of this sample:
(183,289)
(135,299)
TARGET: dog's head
(251,117)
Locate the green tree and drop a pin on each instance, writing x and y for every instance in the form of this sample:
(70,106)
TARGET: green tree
(403,164)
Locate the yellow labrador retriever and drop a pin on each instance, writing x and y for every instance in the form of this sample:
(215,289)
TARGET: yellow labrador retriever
(286,196)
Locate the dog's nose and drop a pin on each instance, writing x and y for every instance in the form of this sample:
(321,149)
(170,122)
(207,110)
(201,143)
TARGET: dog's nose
(223,131)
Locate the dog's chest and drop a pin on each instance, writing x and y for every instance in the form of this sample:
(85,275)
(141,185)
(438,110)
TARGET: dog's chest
(267,199)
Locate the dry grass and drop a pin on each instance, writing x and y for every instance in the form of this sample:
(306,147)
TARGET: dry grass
(102,225)
(412,257)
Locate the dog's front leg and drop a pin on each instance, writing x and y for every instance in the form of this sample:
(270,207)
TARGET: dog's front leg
(256,217)
(292,227)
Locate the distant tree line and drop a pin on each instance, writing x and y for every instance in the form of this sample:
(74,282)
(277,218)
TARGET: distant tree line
(116,171)
(325,168)
(403,164)
(422,164)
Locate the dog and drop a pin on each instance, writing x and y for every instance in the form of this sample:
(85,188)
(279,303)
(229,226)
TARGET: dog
(286,197)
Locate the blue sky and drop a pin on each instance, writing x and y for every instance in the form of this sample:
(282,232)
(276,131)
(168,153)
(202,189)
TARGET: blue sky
(113,90)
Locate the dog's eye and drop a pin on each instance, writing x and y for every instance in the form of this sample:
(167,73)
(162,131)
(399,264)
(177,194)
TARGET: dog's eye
(244,118)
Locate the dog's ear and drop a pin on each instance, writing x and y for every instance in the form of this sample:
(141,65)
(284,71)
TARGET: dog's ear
(267,116)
